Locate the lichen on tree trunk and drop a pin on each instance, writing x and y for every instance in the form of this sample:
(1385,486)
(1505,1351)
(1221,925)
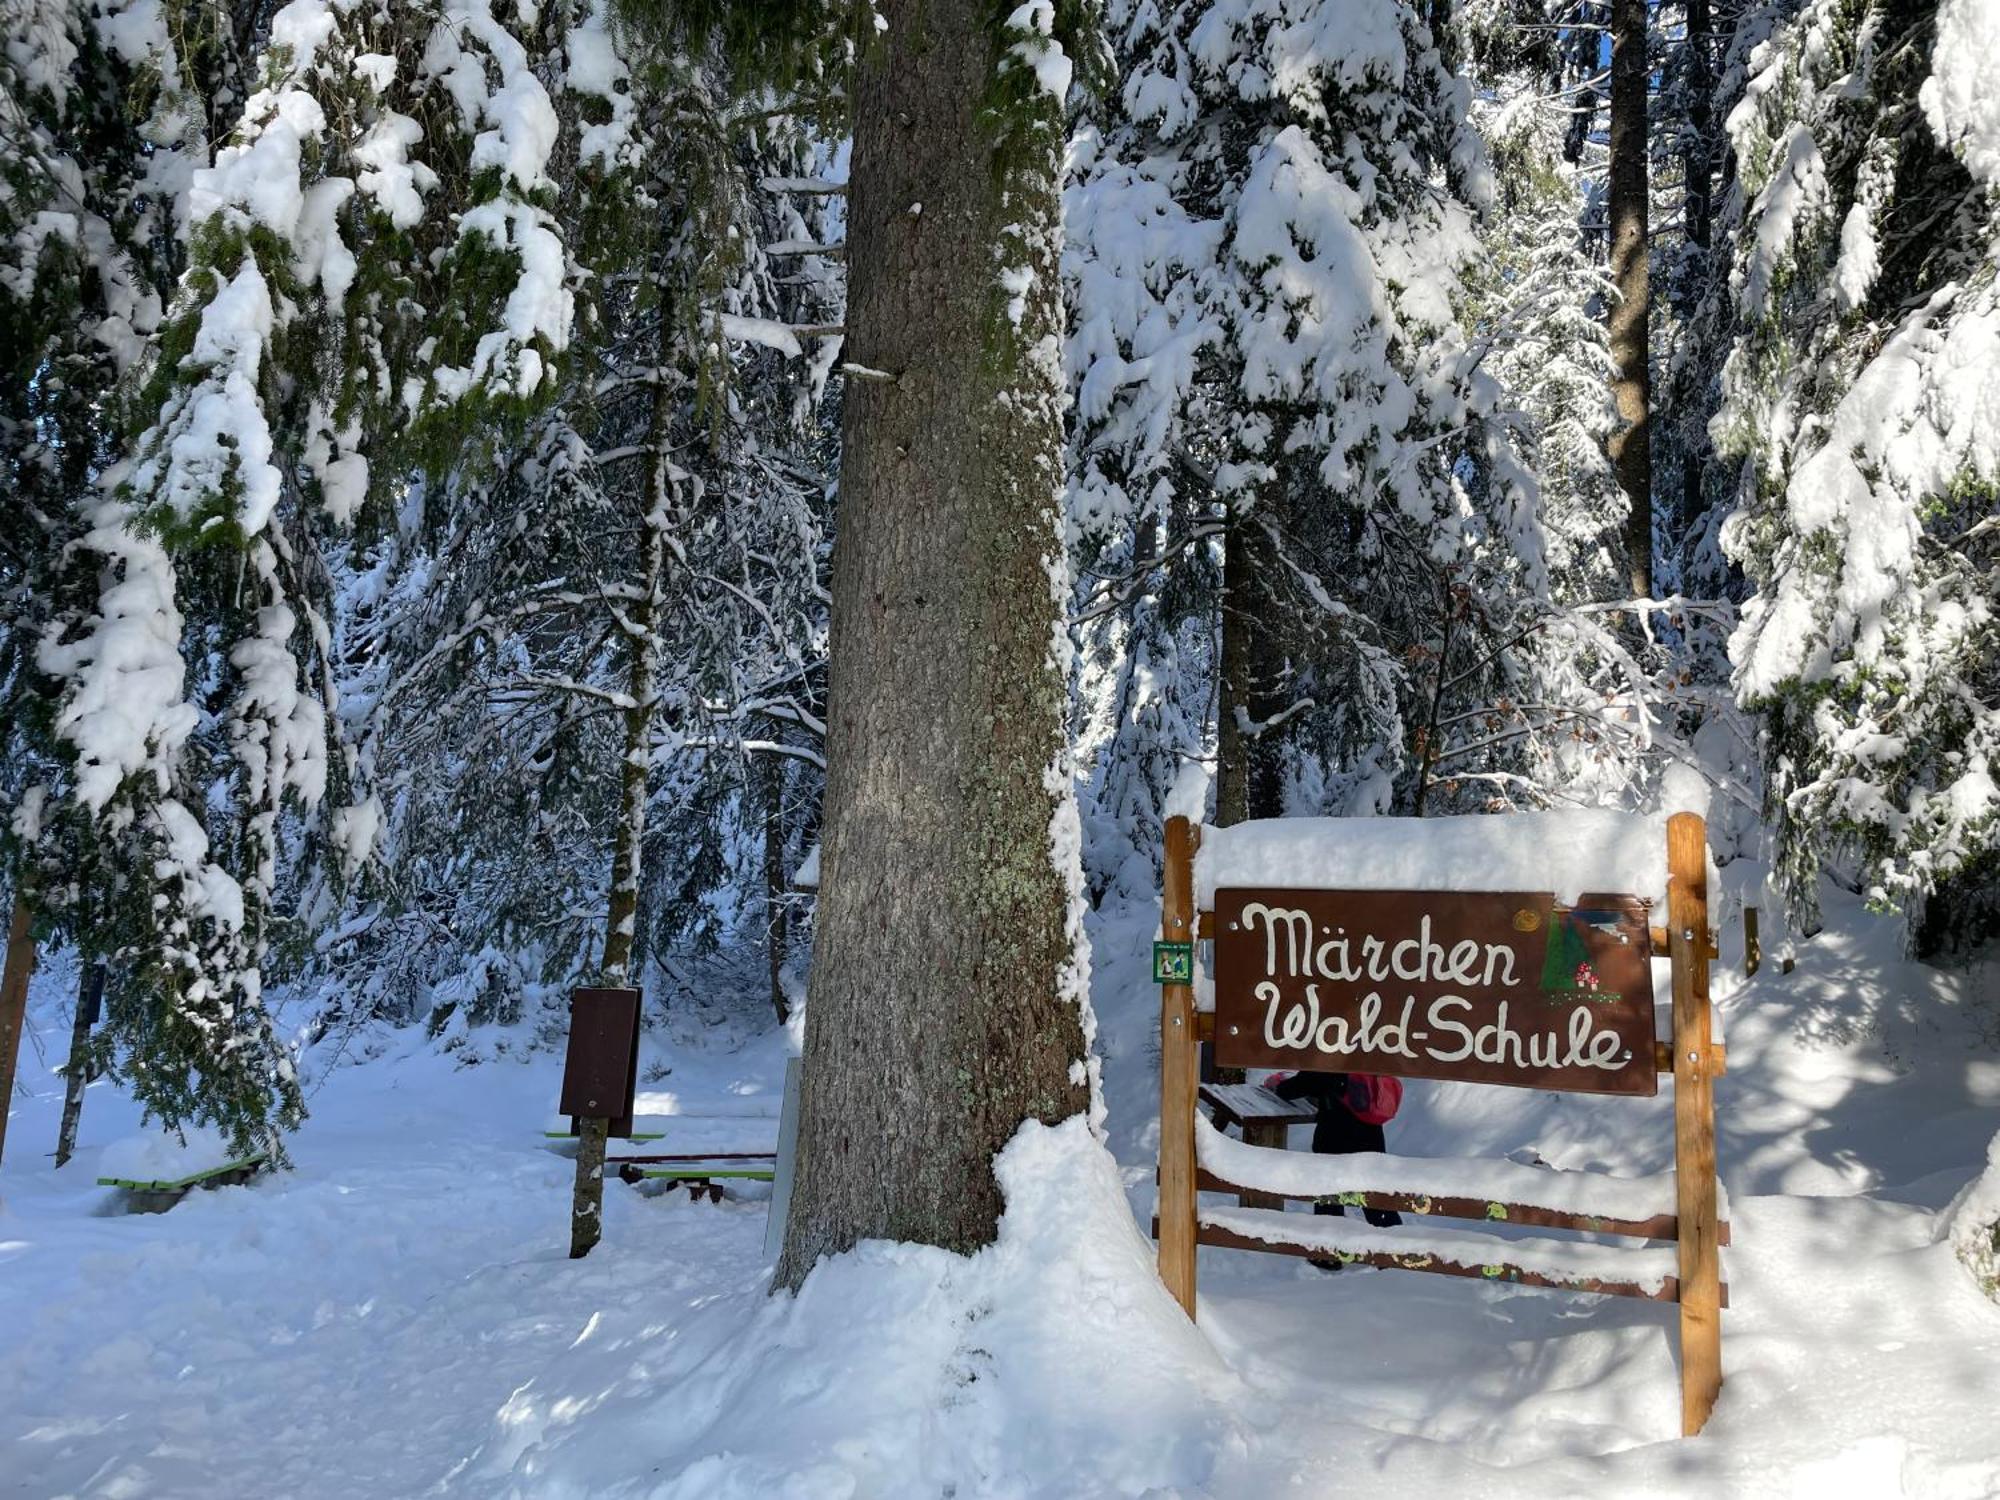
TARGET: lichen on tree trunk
(942,1010)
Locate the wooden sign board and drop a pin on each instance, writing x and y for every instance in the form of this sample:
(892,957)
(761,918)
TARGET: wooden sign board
(1478,986)
(601,1070)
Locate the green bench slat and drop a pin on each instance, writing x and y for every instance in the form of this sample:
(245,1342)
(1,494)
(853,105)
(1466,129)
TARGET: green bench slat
(255,1159)
(637,1135)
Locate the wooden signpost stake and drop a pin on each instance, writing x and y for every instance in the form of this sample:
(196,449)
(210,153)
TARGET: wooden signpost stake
(1694,1121)
(1180,1069)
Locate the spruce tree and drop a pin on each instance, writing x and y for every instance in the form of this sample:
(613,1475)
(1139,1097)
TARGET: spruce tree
(1857,405)
(1296,324)
(947,996)
(363,296)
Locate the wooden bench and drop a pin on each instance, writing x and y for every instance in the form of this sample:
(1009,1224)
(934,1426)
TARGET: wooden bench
(698,1173)
(157,1196)
(1263,1117)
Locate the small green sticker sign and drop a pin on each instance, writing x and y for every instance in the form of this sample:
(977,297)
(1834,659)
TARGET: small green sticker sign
(1173,963)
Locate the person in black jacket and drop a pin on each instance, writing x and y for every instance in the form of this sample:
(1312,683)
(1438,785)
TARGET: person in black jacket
(1338,1131)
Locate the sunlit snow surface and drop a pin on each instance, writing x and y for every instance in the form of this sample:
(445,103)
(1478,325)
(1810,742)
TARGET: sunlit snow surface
(397,1317)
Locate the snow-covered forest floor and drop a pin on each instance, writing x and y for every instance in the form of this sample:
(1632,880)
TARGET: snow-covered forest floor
(397,1316)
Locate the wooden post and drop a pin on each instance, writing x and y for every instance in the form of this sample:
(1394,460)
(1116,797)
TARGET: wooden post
(1753,946)
(1179,1066)
(1694,1121)
(1272,1137)
(20,964)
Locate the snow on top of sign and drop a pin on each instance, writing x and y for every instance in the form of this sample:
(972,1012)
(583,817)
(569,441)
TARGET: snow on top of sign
(1303,1174)
(1647,1267)
(1570,852)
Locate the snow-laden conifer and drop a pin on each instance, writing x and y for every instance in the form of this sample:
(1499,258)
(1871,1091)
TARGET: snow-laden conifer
(374,283)
(1860,400)
(1293,325)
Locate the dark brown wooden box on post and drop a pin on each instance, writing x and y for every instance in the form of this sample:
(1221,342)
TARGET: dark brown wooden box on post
(601,1072)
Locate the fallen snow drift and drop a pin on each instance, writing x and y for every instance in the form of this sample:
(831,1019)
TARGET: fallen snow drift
(1052,1363)
(1972,1225)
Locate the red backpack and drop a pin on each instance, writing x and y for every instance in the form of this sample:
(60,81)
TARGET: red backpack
(1373,1100)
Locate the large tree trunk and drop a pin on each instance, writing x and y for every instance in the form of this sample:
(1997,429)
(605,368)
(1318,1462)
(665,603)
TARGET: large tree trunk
(20,967)
(941,1011)
(1631,448)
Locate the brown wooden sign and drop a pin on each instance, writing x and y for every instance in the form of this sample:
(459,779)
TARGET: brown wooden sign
(1499,988)
(1484,987)
(601,1070)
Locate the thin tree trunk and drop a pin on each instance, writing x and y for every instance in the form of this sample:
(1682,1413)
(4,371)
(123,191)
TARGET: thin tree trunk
(1699,157)
(1250,762)
(76,1072)
(1232,701)
(586,1223)
(20,966)
(1631,447)
(1698,167)
(1249,759)
(1428,759)
(771,773)
(943,1010)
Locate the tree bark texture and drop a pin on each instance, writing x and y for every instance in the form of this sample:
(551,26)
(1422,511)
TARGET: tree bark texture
(942,1010)
(76,1072)
(20,967)
(1249,758)
(1631,447)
